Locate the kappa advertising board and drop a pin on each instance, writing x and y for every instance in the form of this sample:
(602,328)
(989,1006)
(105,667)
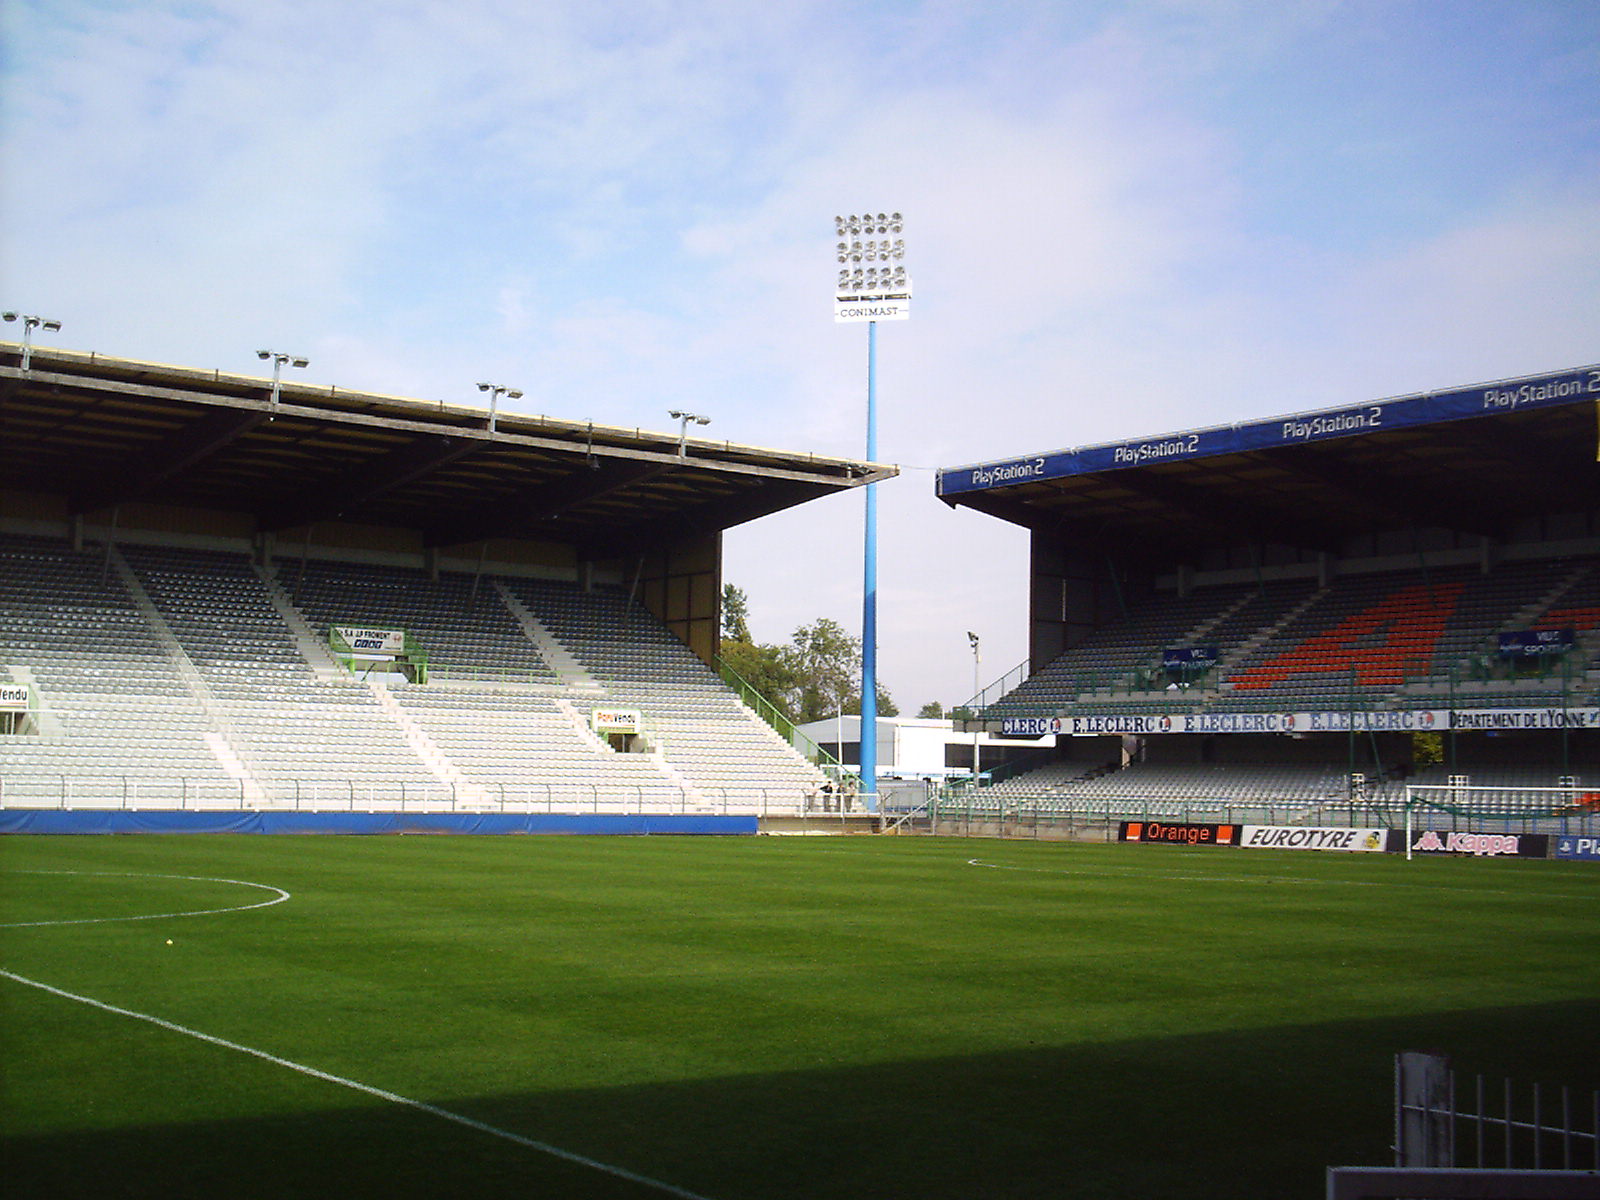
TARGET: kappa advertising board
(1178,833)
(1481,845)
(1295,837)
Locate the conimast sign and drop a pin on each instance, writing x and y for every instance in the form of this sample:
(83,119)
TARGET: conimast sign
(871,308)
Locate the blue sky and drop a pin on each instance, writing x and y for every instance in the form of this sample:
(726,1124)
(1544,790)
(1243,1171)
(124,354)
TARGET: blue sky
(1122,219)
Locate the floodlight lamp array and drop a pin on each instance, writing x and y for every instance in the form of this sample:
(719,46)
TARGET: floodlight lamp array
(30,322)
(867,223)
(499,389)
(278,360)
(873,266)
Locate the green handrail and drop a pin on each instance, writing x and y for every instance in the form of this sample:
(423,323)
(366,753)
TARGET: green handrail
(774,716)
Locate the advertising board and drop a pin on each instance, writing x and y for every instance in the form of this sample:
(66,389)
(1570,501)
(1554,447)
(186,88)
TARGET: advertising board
(1578,845)
(1030,726)
(1298,837)
(1419,720)
(1478,400)
(1481,845)
(372,641)
(1536,643)
(1178,833)
(614,720)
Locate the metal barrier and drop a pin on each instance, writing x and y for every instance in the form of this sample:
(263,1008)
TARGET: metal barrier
(187,793)
(1499,1126)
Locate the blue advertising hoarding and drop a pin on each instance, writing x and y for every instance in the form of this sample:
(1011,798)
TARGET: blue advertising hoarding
(1478,400)
(1578,845)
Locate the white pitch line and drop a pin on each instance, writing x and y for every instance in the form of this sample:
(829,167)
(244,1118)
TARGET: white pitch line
(1140,873)
(367,1089)
(203,912)
(1135,873)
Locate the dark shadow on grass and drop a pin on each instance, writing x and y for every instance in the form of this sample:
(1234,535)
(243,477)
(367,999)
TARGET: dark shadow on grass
(1231,1115)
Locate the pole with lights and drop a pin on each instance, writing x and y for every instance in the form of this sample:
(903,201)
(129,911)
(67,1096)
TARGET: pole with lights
(683,419)
(872,286)
(279,361)
(496,390)
(29,324)
(977,728)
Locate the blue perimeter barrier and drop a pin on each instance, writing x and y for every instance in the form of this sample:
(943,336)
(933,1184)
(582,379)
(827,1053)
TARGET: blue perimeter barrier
(54,821)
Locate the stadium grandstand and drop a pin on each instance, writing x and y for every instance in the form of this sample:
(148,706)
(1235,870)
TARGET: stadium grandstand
(222,594)
(1304,616)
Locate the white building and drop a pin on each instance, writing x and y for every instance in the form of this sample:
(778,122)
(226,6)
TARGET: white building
(919,747)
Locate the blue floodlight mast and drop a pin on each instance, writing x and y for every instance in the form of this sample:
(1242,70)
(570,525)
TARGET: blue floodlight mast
(872,286)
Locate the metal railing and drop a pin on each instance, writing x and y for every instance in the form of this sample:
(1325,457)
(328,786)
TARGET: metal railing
(774,716)
(189,793)
(1491,1123)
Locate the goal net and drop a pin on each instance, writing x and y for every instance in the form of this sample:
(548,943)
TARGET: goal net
(1568,808)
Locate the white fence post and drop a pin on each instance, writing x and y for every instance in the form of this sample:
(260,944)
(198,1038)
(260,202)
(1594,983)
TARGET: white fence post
(1424,1111)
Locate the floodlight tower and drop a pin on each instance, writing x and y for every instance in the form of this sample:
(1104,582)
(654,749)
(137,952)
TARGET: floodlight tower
(278,362)
(872,286)
(496,390)
(29,324)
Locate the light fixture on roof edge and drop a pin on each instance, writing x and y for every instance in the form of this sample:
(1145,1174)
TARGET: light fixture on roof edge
(279,360)
(29,324)
(683,419)
(496,390)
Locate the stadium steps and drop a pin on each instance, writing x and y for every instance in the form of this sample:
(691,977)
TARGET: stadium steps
(569,671)
(223,739)
(316,651)
(435,759)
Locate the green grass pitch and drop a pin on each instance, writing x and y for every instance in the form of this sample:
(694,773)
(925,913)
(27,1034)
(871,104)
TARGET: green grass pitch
(754,1018)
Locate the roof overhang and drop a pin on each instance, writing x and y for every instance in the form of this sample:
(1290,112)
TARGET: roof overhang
(1475,460)
(105,432)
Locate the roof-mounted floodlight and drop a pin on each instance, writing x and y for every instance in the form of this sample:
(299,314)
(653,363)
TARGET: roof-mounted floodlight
(29,324)
(496,390)
(279,361)
(683,419)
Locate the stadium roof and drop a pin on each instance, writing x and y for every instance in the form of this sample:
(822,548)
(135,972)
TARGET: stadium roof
(108,431)
(1474,459)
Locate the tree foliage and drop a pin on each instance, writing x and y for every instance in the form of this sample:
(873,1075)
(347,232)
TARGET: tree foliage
(816,675)
(735,615)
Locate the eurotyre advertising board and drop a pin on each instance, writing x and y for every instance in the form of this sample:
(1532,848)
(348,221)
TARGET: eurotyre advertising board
(1297,837)
(1363,840)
